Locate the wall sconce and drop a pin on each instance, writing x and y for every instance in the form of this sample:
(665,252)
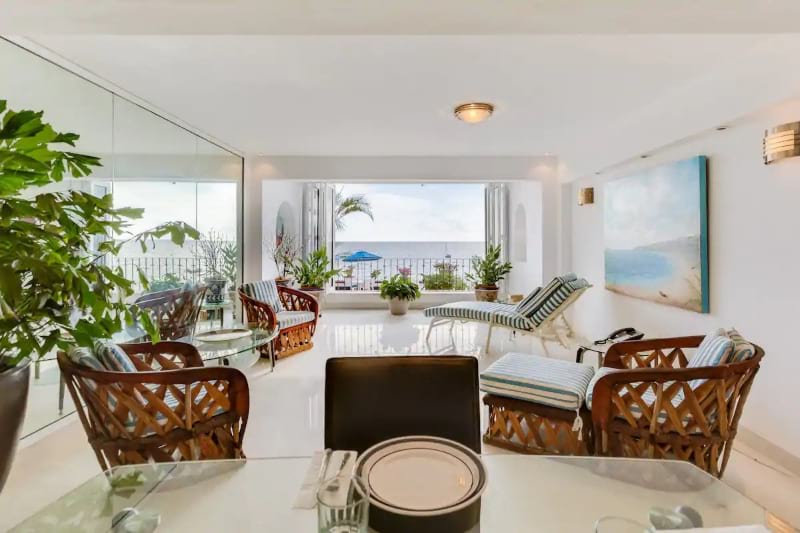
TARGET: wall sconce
(586,196)
(781,142)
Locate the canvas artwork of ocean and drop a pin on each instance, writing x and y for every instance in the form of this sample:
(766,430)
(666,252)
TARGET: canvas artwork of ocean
(656,244)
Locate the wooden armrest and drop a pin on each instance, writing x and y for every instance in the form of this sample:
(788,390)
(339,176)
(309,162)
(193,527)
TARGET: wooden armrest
(606,386)
(295,300)
(170,355)
(238,391)
(258,312)
(644,353)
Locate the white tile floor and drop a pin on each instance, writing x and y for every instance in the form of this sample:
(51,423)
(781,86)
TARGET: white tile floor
(286,417)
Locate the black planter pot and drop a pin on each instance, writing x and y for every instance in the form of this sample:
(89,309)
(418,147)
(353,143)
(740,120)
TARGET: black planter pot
(13,400)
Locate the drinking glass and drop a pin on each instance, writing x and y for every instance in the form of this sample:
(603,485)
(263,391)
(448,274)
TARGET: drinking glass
(618,524)
(343,505)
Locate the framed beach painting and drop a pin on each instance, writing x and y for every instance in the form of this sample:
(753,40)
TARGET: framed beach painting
(656,235)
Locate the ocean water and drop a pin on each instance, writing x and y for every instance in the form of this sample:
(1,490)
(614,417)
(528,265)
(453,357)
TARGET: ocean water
(414,250)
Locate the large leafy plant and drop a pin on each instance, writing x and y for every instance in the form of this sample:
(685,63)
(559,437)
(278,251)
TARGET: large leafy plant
(487,271)
(399,287)
(55,288)
(313,271)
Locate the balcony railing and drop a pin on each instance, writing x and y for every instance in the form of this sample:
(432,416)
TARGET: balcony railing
(432,274)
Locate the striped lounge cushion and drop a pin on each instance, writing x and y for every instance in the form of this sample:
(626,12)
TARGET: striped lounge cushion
(84,357)
(288,319)
(557,297)
(497,313)
(531,303)
(265,291)
(541,380)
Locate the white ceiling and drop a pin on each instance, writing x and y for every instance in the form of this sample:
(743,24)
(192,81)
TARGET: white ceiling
(397,17)
(393,95)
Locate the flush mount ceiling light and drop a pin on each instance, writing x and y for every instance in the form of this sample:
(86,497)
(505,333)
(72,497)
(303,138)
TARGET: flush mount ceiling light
(474,112)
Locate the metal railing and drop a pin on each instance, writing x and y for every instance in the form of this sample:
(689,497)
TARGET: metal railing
(432,274)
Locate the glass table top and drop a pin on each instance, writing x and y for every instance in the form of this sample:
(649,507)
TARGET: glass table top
(210,351)
(552,493)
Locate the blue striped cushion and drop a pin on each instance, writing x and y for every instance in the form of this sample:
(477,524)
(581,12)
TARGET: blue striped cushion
(558,297)
(742,348)
(523,304)
(292,318)
(265,291)
(541,380)
(648,397)
(533,305)
(113,357)
(84,357)
(504,314)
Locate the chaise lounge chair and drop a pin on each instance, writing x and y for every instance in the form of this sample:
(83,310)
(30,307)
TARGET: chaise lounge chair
(541,313)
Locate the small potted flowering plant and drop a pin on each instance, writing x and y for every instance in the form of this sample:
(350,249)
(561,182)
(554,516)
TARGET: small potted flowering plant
(400,291)
(487,271)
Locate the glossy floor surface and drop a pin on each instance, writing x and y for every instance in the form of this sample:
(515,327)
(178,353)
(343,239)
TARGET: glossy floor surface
(286,417)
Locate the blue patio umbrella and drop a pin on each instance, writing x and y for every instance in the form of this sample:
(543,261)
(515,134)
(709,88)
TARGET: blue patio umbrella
(361,256)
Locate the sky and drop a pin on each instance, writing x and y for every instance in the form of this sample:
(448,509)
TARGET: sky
(206,206)
(416,212)
(658,205)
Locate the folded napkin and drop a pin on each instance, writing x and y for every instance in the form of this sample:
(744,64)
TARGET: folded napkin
(324,464)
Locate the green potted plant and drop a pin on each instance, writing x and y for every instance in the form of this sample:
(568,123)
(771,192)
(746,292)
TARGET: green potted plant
(486,272)
(210,254)
(313,273)
(55,290)
(373,276)
(400,291)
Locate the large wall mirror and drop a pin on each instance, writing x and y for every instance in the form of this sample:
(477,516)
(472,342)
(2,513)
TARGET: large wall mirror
(148,162)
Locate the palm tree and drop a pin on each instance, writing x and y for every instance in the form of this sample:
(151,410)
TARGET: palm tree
(356,203)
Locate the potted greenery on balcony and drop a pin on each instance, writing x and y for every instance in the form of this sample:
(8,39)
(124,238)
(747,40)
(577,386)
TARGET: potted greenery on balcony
(312,274)
(55,290)
(487,271)
(400,291)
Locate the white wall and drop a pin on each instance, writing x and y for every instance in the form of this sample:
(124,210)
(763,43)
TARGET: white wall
(754,255)
(525,198)
(274,193)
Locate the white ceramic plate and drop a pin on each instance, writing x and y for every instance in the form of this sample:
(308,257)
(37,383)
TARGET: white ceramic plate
(223,335)
(422,476)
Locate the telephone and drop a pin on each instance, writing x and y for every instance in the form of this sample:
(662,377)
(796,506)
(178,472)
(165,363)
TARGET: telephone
(622,334)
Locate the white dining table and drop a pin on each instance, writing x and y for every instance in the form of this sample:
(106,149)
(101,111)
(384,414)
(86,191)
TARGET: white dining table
(524,493)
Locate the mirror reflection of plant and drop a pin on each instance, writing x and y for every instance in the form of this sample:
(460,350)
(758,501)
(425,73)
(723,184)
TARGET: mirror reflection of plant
(313,271)
(487,271)
(56,290)
(165,283)
(217,256)
(400,287)
(284,254)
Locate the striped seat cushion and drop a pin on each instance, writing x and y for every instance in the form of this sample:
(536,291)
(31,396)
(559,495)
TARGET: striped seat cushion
(541,380)
(265,291)
(497,313)
(648,397)
(531,303)
(84,357)
(556,299)
(288,319)
(716,349)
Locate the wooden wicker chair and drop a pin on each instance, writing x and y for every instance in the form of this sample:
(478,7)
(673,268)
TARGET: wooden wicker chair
(687,413)
(292,338)
(175,311)
(172,409)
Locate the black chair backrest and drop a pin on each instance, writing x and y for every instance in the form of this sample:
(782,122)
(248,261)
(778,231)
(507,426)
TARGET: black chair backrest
(372,399)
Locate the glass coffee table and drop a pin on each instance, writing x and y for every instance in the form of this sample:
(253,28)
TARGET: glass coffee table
(524,493)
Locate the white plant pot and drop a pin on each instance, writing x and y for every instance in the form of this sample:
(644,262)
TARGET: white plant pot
(317,294)
(398,306)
